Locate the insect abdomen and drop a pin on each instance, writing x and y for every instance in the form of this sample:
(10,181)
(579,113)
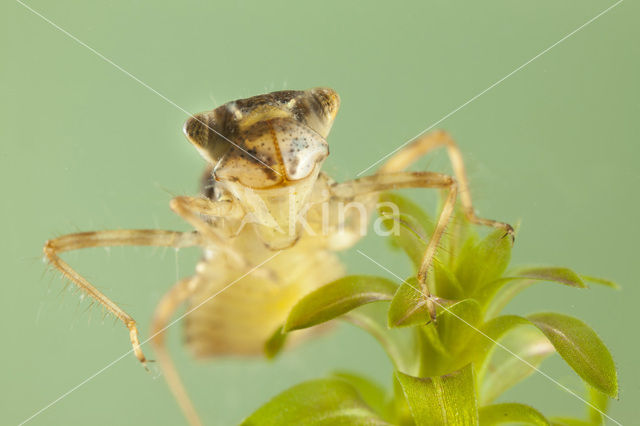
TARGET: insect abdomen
(239,320)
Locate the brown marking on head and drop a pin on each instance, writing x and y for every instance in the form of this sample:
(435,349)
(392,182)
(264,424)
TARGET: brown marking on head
(267,140)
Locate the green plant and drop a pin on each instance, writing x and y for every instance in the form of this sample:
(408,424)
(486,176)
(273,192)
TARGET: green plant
(451,370)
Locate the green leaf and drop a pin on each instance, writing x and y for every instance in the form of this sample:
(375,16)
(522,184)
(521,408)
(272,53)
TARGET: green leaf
(485,261)
(445,344)
(325,402)
(599,404)
(409,306)
(502,370)
(551,273)
(275,343)
(497,294)
(447,285)
(581,348)
(511,413)
(337,298)
(400,408)
(600,281)
(457,324)
(434,358)
(374,395)
(413,225)
(442,400)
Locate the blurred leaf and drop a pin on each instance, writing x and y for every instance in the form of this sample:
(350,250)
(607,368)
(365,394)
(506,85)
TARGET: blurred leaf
(413,224)
(275,343)
(599,404)
(600,281)
(374,395)
(337,298)
(502,370)
(398,343)
(581,348)
(511,413)
(497,293)
(442,400)
(324,402)
(483,262)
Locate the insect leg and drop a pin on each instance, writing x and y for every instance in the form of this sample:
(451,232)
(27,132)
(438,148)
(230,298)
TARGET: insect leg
(383,182)
(425,144)
(165,309)
(192,209)
(143,237)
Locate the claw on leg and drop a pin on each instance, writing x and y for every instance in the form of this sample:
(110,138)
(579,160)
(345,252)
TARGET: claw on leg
(135,342)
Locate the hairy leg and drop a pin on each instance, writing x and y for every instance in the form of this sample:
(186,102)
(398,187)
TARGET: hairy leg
(383,182)
(142,237)
(193,209)
(425,144)
(164,311)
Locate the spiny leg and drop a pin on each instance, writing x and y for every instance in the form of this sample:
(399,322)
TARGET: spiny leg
(384,182)
(163,313)
(422,146)
(142,237)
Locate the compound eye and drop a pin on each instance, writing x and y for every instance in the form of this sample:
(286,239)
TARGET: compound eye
(317,108)
(328,102)
(201,131)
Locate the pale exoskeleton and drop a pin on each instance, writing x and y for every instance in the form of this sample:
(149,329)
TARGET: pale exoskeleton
(269,223)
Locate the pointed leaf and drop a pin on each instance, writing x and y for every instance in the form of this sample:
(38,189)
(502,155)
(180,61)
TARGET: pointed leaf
(337,298)
(442,400)
(600,281)
(325,402)
(552,273)
(500,292)
(581,348)
(511,413)
(485,261)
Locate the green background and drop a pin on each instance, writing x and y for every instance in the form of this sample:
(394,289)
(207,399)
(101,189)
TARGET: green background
(84,147)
